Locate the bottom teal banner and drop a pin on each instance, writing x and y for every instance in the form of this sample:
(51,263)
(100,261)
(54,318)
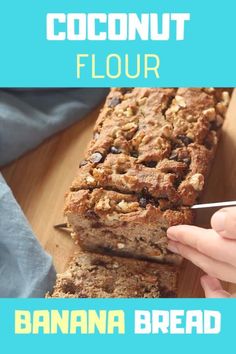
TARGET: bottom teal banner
(117,325)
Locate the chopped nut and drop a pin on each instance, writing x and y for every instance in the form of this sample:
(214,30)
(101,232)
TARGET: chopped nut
(209,89)
(221,107)
(146,139)
(197,181)
(73,235)
(219,121)
(161,143)
(129,112)
(210,114)
(90,179)
(142,101)
(180,101)
(226,97)
(113,217)
(120,245)
(103,204)
(173,109)
(190,136)
(117,133)
(181,123)
(120,112)
(129,126)
(191,118)
(138,138)
(128,207)
(166,131)
(98,173)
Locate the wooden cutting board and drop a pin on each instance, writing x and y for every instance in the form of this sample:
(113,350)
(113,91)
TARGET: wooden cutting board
(40,179)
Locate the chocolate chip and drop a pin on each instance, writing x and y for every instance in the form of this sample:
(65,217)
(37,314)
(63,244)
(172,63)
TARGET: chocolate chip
(186,160)
(143,202)
(208,144)
(134,154)
(105,249)
(108,287)
(173,156)
(115,150)
(92,215)
(98,262)
(96,225)
(83,163)
(150,164)
(165,292)
(177,182)
(185,139)
(145,191)
(96,157)
(215,125)
(124,90)
(69,287)
(114,102)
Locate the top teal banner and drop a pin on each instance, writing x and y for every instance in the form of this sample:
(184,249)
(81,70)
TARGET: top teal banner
(161,43)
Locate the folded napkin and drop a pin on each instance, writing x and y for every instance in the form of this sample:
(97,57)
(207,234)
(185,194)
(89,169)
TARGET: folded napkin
(27,117)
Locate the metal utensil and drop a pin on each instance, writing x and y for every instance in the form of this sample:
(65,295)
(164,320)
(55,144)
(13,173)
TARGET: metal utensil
(214,205)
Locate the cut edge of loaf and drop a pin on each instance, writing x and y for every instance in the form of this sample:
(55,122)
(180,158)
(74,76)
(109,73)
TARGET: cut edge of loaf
(91,275)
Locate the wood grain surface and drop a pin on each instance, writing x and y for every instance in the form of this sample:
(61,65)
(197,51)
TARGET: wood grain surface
(40,179)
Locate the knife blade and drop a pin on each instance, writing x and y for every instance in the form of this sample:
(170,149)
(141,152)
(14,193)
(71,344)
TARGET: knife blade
(214,205)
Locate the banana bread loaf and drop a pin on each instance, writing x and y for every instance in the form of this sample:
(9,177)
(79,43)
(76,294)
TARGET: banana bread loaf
(144,168)
(97,276)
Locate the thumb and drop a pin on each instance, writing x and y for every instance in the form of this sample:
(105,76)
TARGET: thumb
(224,222)
(213,288)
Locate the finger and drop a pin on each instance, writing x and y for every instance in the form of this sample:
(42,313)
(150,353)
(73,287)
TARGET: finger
(224,222)
(205,241)
(212,267)
(212,288)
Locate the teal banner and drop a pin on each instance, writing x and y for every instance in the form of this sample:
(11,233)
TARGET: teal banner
(117,325)
(65,43)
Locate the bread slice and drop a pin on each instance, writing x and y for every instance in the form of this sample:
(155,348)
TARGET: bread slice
(91,275)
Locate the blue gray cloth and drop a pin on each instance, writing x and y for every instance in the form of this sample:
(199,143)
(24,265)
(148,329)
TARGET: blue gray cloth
(27,117)
(25,269)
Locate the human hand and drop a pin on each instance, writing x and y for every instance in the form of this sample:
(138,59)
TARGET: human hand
(212,250)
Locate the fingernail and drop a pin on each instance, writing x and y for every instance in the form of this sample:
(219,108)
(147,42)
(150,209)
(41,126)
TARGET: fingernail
(170,234)
(172,247)
(218,220)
